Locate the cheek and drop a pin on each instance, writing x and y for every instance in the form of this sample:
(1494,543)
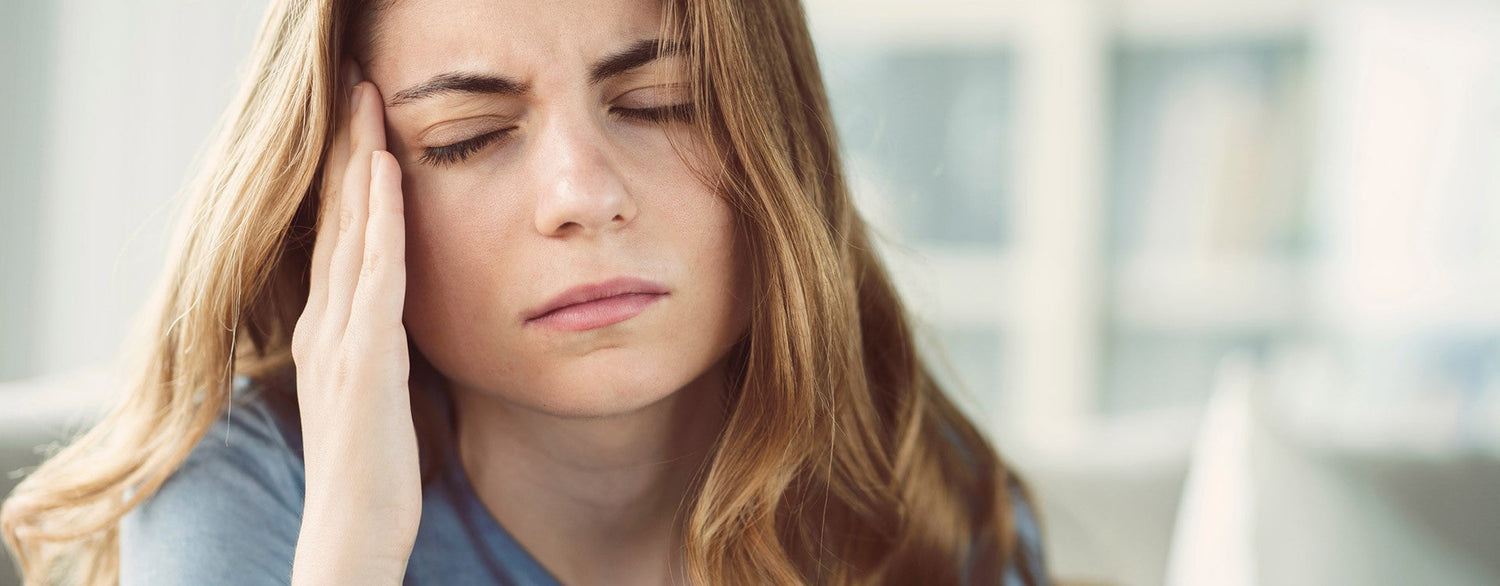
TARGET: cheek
(700,226)
(705,235)
(456,224)
(457,260)
(709,241)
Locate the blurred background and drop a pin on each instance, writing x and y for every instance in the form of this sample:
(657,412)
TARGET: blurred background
(1220,277)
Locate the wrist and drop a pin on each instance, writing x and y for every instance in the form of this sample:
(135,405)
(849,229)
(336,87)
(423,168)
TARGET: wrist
(341,552)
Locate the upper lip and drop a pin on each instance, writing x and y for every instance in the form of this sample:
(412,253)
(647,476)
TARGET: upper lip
(596,291)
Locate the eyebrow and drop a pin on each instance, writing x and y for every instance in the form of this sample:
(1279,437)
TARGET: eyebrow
(632,56)
(637,54)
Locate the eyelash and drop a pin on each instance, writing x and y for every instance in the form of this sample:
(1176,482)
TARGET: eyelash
(462,150)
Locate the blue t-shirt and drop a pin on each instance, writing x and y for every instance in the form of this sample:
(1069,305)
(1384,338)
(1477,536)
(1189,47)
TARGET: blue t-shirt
(231,512)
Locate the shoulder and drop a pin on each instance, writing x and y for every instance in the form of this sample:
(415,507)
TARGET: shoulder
(1029,562)
(231,511)
(1026,565)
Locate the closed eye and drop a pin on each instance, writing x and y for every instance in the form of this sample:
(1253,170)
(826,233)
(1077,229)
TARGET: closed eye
(673,113)
(460,151)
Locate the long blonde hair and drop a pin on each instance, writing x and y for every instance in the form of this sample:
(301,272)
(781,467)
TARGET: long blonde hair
(842,461)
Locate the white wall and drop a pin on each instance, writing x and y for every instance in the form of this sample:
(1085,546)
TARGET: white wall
(25,51)
(134,90)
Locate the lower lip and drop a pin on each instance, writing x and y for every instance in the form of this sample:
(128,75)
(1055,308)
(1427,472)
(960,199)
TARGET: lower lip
(598,313)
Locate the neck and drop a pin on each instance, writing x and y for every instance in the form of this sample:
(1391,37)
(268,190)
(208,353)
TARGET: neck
(595,500)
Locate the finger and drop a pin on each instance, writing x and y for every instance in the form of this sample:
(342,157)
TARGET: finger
(333,173)
(380,296)
(367,134)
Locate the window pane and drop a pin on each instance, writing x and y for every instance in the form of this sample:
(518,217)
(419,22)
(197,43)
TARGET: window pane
(927,133)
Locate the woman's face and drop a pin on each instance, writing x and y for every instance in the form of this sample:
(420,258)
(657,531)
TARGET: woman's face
(531,166)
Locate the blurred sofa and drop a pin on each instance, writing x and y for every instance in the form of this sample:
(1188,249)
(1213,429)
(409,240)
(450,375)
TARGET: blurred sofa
(43,413)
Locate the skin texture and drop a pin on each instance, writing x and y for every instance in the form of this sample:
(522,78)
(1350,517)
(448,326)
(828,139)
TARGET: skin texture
(574,195)
(364,497)
(582,444)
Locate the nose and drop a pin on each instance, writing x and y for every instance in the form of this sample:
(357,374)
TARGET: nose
(581,190)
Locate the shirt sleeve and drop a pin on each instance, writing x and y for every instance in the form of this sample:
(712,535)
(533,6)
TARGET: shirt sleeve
(229,515)
(1030,567)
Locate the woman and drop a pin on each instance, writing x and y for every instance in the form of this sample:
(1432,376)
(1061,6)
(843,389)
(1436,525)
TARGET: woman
(535,292)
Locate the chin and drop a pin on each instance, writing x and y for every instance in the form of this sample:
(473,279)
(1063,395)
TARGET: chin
(605,383)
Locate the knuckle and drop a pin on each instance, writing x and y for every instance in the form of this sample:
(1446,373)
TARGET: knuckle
(395,206)
(345,366)
(327,204)
(385,205)
(328,193)
(357,141)
(372,264)
(370,322)
(346,219)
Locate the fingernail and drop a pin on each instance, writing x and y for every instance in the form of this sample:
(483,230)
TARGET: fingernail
(375,170)
(354,98)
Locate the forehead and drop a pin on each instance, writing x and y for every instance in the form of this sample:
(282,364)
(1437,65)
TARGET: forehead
(418,38)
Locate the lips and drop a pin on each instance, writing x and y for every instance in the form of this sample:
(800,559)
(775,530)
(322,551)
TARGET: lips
(597,304)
